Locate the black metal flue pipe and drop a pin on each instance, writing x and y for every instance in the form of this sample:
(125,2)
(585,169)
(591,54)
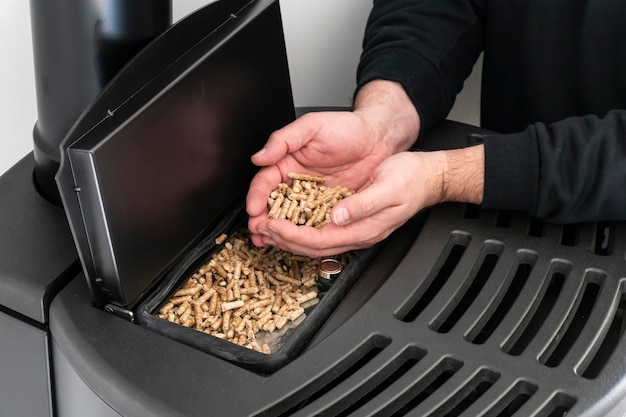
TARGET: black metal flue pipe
(78,46)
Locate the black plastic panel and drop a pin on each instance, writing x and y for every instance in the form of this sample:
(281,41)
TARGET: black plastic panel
(144,184)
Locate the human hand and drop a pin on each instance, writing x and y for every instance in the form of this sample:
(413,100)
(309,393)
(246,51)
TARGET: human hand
(397,189)
(343,147)
(339,146)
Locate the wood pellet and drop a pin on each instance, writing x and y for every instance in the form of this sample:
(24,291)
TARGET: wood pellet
(306,202)
(243,290)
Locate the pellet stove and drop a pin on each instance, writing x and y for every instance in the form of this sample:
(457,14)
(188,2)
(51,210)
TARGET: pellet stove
(461,312)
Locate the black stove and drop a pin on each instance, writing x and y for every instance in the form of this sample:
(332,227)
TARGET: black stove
(460,312)
(463,312)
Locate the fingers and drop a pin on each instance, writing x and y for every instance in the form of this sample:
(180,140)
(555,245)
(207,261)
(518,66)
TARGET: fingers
(370,216)
(364,204)
(286,140)
(260,188)
(358,221)
(326,241)
(392,186)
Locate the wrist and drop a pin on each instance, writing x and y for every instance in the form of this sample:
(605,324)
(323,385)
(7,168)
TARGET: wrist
(463,175)
(386,107)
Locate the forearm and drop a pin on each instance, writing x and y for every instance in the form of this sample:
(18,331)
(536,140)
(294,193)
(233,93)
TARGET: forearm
(567,172)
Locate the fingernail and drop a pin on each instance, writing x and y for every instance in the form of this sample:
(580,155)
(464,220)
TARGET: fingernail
(265,233)
(341,216)
(259,153)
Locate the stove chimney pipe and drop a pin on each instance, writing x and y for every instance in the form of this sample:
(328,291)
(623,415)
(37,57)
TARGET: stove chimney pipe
(78,46)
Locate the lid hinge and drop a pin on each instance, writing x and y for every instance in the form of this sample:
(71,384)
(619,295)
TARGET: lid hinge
(120,312)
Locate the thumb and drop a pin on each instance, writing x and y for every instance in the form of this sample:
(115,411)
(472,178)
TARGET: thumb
(365,203)
(288,139)
(273,151)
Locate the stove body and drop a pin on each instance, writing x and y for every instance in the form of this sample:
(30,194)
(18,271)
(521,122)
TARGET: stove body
(462,312)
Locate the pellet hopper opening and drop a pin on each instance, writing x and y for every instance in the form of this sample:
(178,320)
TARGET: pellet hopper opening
(252,296)
(247,295)
(257,307)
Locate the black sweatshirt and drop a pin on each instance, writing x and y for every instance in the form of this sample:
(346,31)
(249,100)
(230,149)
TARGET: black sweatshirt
(553,87)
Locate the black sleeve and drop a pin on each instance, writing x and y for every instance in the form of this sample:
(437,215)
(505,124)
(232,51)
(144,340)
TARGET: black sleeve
(429,46)
(567,172)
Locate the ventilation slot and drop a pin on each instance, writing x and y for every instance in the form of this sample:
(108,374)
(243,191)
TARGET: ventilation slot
(446,321)
(503,219)
(545,302)
(603,244)
(423,388)
(569,235)
(437,277)
(471,211)
(585,305)
(558,406)
(513,400)
(325,383)
(468,394)
(489,322)
(611,340)
(535,228)
(377,383)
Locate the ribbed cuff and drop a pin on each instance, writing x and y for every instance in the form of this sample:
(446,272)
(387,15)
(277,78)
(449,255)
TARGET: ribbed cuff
(512,170)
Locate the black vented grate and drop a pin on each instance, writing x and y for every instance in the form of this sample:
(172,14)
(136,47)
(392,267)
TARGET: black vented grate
(489,314)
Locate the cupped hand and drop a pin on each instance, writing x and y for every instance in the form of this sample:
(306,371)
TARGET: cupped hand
(396,190)
(342,147)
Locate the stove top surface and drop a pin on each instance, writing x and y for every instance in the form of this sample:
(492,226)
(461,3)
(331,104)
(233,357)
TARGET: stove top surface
(487,314)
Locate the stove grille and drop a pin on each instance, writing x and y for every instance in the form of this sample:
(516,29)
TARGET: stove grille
(489,314)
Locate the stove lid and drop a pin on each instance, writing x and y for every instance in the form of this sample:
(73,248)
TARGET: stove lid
(164,151)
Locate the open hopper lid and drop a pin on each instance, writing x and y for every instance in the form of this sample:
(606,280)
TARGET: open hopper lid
(164,151)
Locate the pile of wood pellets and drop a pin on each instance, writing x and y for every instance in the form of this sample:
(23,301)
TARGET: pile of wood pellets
(306,202)
(243,290)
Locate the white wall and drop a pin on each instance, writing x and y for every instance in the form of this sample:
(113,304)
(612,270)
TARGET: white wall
(323,40)
(18,111)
